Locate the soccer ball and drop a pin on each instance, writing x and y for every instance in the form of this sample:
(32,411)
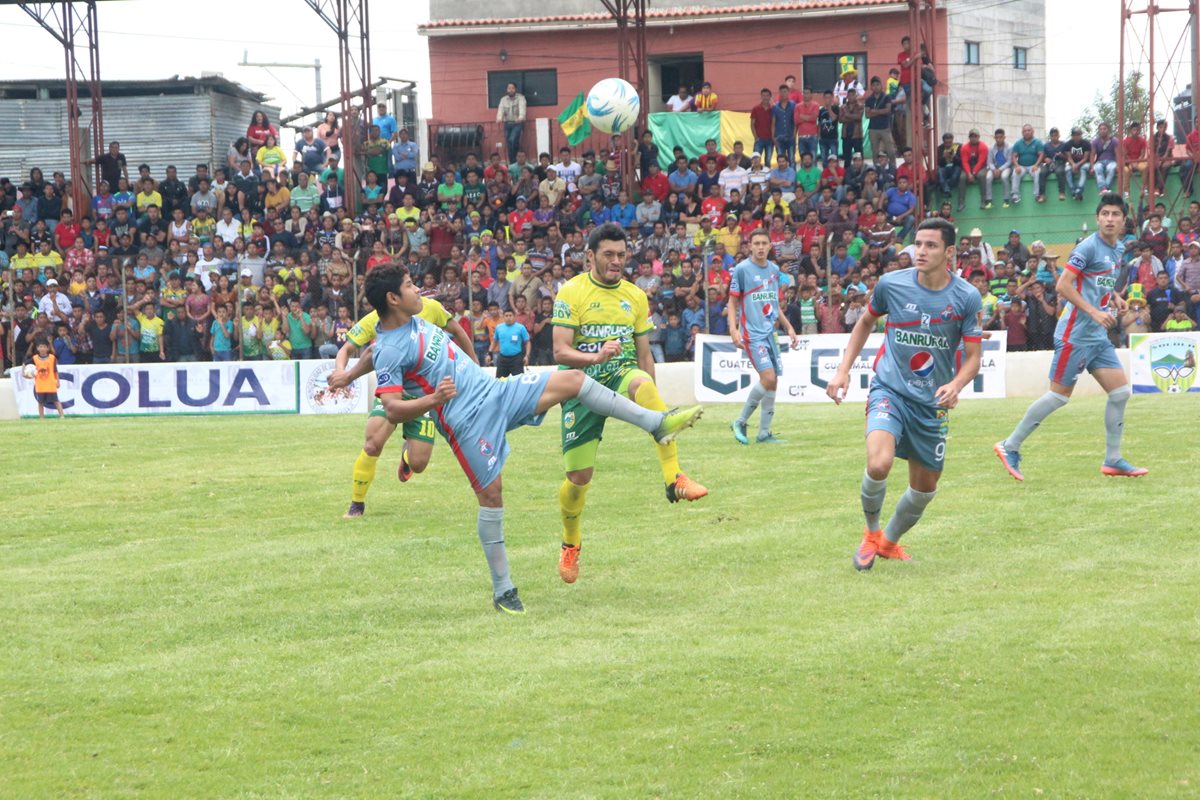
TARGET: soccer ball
(613,105)
(29,371)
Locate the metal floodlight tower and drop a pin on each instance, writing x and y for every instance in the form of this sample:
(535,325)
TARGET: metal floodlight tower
(73,25)
(350,21)
(1140,32)
(922,137)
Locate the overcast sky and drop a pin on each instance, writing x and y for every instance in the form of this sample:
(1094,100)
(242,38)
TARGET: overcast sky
(157,39)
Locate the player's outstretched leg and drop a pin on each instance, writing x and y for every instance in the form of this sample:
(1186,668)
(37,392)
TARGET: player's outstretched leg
(490,527)
(663,426)
(922,488)
(679,486)
(1114,429)
(1009,450)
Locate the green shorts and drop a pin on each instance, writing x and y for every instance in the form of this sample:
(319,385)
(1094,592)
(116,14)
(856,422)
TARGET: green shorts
(582,429)
(420,429)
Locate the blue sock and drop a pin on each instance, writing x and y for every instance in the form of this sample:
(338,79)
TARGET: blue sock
(1114,422)
(766,413)
(756,396)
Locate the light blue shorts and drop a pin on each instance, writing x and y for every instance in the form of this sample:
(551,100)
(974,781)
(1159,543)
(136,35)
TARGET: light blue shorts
(763,353)
(1072,358)
(920,431)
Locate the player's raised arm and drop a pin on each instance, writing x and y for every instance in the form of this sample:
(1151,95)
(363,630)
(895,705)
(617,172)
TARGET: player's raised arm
(400,410)
(858,339)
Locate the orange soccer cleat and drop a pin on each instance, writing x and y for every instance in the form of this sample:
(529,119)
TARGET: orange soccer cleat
(892,550)
(684,488)
(864,556)
(568,563)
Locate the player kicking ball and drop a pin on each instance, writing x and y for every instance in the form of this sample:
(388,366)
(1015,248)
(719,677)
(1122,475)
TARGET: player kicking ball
(929,312)
(1089,285)
(755,284)
(420,370)
(418,433)
(601,322)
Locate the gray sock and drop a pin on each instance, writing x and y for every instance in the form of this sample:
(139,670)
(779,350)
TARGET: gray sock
(1114,422)
(767,413)
(1041,408)
(908,511)
(756,396)
(608,403)
(872,495)
(490,527)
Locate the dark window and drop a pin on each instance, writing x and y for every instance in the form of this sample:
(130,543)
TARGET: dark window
(540,86)
(1020,57)
(822,72)
(972,54)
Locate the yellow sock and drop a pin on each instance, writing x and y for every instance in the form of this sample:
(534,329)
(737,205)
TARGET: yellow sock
(647,396)
(364,473)
(570,502)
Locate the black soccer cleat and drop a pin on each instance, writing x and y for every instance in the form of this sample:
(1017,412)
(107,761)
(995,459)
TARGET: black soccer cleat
(356,509)
(509,603)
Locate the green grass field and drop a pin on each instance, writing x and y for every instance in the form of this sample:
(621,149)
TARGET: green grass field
(184,613)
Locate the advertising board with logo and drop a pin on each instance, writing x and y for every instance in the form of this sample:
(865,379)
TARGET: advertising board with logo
(235,387)
(1164,363)
(724,374)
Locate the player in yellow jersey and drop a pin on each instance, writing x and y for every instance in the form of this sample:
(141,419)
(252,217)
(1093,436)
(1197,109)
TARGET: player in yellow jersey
(601,322)
(418,433)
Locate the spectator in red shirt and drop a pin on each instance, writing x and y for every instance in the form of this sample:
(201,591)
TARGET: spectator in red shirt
(805,117)
(67,230)
(974,157)
(833,177)
(761,123)
(711,153)
(1135,152)
(520,219)
(656,183)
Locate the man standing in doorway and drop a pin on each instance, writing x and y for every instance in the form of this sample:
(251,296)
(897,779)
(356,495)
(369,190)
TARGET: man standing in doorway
(511,111)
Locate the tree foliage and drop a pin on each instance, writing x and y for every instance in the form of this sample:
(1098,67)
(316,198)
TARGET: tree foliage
(1104,106)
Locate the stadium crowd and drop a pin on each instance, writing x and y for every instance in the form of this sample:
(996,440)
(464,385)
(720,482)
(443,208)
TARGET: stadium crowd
(258,257)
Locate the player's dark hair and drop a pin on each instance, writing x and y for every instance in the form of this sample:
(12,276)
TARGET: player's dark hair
(608,232)
(759,232)
(943,226)
(1113,199)
(381,280)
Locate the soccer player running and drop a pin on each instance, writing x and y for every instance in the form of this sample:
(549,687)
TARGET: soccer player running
(418,433)
(1089,285)
(420,370)
(918,376)
(756,286)
(601,322)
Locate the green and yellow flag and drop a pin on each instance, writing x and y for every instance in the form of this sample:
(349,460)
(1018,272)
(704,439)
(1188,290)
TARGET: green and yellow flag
(574,121)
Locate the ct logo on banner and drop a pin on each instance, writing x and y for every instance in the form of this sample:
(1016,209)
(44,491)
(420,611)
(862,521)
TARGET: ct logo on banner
(1164,363)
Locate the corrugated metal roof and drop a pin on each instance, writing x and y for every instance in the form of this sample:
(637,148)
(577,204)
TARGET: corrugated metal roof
(680,13)
(159,130)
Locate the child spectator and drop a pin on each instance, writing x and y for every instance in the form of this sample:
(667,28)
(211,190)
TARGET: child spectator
(1179,320)
(64,348)
(691,343)
(1014,323)
(46,383)
(279,348)
(222,335)
(675,339)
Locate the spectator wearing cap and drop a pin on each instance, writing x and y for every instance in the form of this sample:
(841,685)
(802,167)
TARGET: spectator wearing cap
(973,157)
(987,255)
(1018,253)
(1055,152)
(55,304)
(1078,157)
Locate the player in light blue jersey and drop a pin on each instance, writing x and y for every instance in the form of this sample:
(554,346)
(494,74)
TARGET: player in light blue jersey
(755,290)
(474,411)
(918,376)
(1090,285)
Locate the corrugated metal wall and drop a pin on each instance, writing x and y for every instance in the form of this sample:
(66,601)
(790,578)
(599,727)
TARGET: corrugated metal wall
(183,130)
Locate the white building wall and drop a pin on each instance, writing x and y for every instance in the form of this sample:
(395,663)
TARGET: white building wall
(994,94)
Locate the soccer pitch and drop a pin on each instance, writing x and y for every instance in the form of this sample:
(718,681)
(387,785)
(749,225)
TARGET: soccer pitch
(185,614)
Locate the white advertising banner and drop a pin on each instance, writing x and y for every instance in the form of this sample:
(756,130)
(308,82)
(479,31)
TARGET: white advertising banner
(1164,363)
(230,387)
(723,374)
(317,398)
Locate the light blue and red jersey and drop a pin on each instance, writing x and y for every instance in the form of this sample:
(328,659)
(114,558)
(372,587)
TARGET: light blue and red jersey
(1096,267)
(758,291)
(924,329)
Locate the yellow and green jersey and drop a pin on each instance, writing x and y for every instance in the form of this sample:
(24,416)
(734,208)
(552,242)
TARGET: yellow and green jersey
(363,332)
(598,313)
